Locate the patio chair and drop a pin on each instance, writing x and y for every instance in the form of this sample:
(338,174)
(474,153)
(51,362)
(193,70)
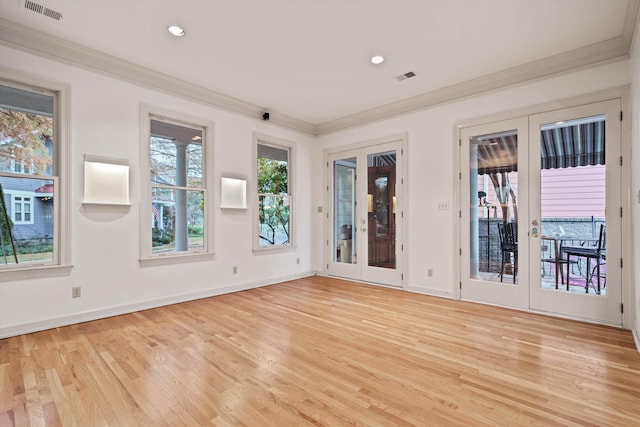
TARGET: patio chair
(597,253)
(508,246)
(552,254)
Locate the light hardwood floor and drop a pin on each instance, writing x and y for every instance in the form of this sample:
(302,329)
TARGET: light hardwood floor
(326,352)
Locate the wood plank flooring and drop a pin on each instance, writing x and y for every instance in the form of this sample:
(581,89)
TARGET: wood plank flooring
(322,352)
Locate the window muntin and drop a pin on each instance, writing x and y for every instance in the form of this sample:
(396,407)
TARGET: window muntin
(177,186)
(274,196)
(28,185)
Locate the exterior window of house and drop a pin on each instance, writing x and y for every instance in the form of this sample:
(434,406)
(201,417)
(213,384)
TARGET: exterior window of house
(178,188)
(274,198)
(31,229)
(22,208)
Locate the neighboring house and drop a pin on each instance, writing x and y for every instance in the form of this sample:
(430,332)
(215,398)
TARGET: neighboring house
(29,206)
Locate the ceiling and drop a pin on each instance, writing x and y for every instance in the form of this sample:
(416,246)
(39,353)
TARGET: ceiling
(307,61)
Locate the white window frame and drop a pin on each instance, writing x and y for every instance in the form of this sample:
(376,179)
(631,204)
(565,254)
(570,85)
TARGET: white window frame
(61,263)
(22,195)
(261,139)
(147,257)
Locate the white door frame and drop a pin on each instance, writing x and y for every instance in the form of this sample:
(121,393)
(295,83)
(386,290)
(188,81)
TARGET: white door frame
(401,211)
(622,93)
(585,306)
(476,288)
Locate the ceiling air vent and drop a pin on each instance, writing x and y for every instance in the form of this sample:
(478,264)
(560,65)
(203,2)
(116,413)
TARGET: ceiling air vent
(405,76)
(38,8)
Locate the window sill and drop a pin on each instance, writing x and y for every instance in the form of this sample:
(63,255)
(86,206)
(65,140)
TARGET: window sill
(175,259)
(34,272)
(274,250)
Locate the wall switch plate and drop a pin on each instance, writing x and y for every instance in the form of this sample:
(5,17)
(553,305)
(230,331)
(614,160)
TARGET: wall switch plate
(443,206)
(76,292)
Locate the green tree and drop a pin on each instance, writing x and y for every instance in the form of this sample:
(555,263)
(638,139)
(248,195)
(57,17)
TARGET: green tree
(273,181)
(23,140)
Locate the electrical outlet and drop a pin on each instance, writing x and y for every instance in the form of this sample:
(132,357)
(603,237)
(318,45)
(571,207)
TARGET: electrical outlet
(76,292)
(430,272)
(235,269)
(297,260)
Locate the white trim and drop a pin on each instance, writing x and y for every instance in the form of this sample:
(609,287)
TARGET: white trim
(48,46)
(62,174)
(289,146)
(147,257)
(347,272)
(56,322)
(431,292)
(622,93)
(45,45)
(34,271)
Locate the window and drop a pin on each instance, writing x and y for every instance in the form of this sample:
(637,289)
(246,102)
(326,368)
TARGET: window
(22,207)
(175,217)
(32,201)
(273,171)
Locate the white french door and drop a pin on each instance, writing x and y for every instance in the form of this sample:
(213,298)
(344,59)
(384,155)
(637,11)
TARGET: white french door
(364,227)
(576,201)
(553,179)
(492,171)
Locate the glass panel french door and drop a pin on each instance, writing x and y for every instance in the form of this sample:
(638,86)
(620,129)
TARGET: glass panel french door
(575,225)
(540,215)
(494,205)
(365,228)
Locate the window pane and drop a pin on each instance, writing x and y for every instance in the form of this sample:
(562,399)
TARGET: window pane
(176,155)
(344,210)
(273,212)
(26,132)
(493,208)
(31,232)
(381,196)
(177,220)
(273,170)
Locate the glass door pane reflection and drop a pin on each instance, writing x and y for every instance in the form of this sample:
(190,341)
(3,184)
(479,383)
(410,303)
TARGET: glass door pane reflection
(344,238)
(381,209)
(493,175)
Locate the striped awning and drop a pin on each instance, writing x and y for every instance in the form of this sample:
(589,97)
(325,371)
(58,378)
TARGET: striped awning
(498,154)
(580,144)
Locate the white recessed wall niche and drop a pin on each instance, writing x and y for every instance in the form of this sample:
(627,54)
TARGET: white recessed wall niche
(106,181)
(233,193)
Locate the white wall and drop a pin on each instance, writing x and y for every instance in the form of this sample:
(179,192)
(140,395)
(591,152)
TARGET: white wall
(432,165)
(635,172)
(105,246)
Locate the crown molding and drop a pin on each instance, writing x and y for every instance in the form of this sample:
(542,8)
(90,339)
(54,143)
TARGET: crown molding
(615,49)
(38,43)
(599,53)
(44,45)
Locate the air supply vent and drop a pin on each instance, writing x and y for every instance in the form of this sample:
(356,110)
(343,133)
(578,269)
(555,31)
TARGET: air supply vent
(405,76)
(38,8)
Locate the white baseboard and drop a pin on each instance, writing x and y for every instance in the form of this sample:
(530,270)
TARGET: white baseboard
(57,322)
(636,337)
(431,291)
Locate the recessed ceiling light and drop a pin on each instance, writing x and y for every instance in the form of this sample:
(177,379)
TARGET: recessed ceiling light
(176,30)
(378,59)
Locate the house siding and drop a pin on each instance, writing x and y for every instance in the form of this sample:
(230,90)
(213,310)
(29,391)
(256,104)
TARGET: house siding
(42,211)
